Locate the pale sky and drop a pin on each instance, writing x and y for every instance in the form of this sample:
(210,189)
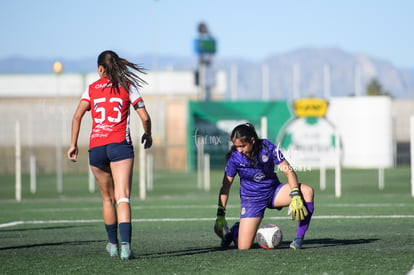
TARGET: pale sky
(253,30)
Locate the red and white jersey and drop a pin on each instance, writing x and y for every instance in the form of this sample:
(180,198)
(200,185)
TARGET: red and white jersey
(110,112)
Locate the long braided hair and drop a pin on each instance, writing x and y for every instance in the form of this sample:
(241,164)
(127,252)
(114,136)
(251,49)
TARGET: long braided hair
(246,132)
(120,71)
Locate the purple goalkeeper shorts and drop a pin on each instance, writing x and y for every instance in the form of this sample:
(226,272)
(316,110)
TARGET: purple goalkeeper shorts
(256,208)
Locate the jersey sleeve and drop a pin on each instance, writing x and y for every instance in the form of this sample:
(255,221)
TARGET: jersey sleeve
(85,96)
(274,150)
(277,155)
(231,167)
(134,95)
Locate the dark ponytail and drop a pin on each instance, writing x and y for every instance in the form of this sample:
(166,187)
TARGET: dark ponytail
(119,71)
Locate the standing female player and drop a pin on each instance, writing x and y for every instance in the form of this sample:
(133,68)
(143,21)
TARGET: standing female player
(111,154)
(254,160)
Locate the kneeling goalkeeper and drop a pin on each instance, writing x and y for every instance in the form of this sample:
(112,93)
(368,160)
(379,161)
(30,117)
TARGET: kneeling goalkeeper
(254,160)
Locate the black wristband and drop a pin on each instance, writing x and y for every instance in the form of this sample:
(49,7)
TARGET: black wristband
(295,192)
(221,211)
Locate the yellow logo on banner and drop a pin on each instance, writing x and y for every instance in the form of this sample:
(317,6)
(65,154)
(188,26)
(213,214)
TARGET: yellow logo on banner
(310,107)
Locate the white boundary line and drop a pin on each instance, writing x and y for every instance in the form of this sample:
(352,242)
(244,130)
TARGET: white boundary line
(341,205)
(9,224)
(15,223)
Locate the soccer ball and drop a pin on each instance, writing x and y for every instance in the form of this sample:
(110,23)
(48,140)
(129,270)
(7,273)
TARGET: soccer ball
(269,236)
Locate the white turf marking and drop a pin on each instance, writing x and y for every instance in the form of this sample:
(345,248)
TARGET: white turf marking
(98,208)
(366,204)
(15,223)
(11,224)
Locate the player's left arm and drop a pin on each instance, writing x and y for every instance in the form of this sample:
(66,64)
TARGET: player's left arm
(290,174)
(297,209)
(146,138)
(139,106)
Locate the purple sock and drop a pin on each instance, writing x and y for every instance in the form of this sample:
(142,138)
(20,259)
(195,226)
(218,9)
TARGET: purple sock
(125,229)
(112,232)
(304,225)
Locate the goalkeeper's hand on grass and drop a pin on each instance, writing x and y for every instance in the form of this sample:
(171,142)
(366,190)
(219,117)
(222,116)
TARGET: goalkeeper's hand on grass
(220,226)
(297,209)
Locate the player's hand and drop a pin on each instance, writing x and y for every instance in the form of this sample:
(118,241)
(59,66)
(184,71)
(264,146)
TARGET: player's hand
(297,209)
(220,226)
(146,140)
(73,153)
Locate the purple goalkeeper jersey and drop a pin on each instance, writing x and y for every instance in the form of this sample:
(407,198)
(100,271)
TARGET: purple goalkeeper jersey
(258,180)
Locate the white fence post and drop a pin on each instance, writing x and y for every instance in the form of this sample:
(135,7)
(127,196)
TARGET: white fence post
(200,161)
(322,175)
(91,181)
(337,165)
(381,178)
(206,172)
(142,184)
(33,185)
(150,172)
(263,127)
(412,153)
(18,185)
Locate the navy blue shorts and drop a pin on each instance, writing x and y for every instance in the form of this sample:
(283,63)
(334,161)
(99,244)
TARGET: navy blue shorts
(101,156)
(256,208)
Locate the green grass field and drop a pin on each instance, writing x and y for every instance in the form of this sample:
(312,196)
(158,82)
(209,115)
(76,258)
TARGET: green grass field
(366,231)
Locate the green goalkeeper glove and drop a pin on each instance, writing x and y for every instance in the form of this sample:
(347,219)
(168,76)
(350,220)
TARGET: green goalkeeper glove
(220,226)
(297,209)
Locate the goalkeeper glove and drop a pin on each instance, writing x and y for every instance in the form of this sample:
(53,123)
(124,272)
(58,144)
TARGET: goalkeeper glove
(297,209)
(220,226)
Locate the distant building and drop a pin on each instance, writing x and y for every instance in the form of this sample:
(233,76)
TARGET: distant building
(44,104)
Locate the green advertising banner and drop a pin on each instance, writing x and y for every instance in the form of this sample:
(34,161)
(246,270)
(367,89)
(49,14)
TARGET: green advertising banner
(210,125)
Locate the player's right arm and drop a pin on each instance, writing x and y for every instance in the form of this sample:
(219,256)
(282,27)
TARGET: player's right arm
(225,191)
(220,226)
(82,108)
